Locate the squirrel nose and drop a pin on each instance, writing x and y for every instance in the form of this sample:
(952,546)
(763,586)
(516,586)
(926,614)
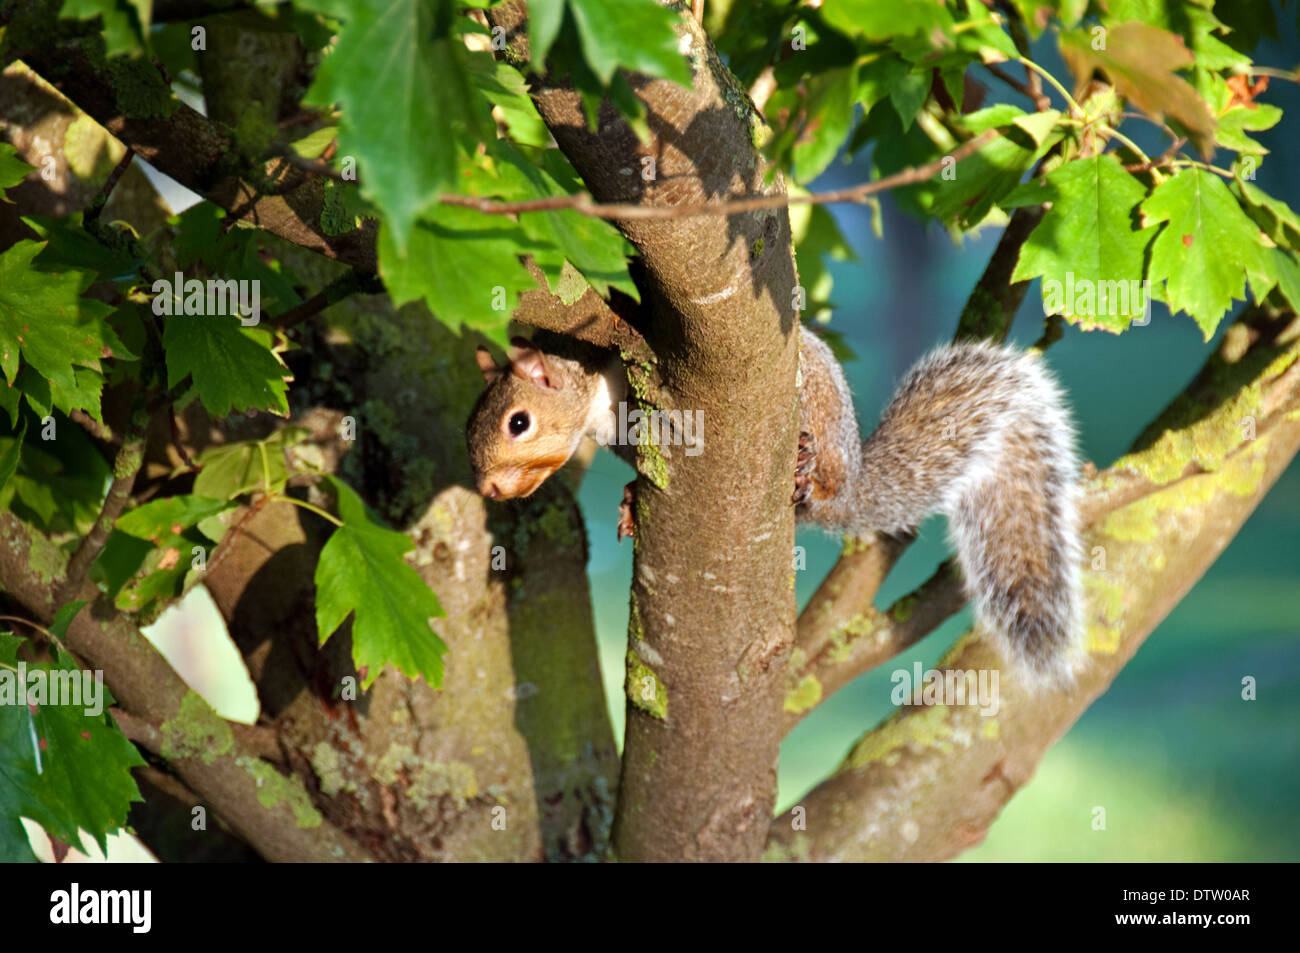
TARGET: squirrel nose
(489,489)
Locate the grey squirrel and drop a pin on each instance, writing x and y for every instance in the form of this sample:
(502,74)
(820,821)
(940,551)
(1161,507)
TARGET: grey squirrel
(976,431)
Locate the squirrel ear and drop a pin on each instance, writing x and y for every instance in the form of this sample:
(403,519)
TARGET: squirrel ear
(529,364)
(486,364)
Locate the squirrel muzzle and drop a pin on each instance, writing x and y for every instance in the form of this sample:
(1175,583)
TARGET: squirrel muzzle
(512,482)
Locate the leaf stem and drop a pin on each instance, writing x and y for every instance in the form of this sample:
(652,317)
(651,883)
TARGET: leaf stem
(1291,76)
(1030,64)
(309,507)
(1192,163)
(1111,132)
(38,627)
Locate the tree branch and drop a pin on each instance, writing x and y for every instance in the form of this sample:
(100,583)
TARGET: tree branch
(197,152)
(220,769)
(1160,523)
(630,211)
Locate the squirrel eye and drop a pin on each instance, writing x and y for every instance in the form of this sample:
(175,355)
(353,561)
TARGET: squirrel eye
(518,423)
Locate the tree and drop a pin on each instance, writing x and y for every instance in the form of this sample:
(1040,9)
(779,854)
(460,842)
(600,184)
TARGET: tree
(251,396)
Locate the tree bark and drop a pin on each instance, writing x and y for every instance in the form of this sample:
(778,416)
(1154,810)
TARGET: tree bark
(712,593)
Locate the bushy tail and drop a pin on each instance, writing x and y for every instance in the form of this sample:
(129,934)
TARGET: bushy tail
(982,433)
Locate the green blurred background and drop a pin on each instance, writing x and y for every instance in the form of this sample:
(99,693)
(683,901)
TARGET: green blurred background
(1185,769)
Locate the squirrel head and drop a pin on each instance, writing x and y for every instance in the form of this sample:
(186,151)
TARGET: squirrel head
(526,423)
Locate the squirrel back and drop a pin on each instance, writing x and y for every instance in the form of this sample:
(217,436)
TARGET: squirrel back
(980,433)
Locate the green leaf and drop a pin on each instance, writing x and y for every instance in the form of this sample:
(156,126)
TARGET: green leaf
(965,193)
(59,766)
(233,367)
(232,469)
(343,209)
(1233,124)
(11,449)
(71,247)
(909,95)
(15,848)
(119,560)
(168,516)
(504,87)
(544,19)
(1288,276)
(63,618)
(464,264)
(1207,247)
(44,318)
(878,75)
(883,21)
(162,574)
(314,143)
(1086,243)
(828,109)
(637,35)
(138,575)
(398,74)
(361,571)
(61,482)
(1274,216)
(591,245)
(10,397)
(121,21)
(232,253)
(12,169)
(817,239)
(45,395)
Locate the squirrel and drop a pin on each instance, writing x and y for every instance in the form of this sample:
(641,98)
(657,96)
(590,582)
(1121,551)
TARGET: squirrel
(976,431)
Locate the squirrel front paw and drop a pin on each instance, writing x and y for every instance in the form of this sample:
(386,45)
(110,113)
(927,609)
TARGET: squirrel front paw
(626,523)
(805,462)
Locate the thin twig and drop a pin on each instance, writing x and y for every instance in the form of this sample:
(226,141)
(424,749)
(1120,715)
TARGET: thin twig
(346,284)
(314,166)
(581,202)
(178,443)
(1040,101)
(763,88)
(1053,331)
(106,189)
(127,463)
(99,431)
(301,312)
(37,627)
(1164,159)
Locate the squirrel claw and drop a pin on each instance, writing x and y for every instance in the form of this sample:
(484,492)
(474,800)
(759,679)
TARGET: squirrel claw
(804,464)
(626,523)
